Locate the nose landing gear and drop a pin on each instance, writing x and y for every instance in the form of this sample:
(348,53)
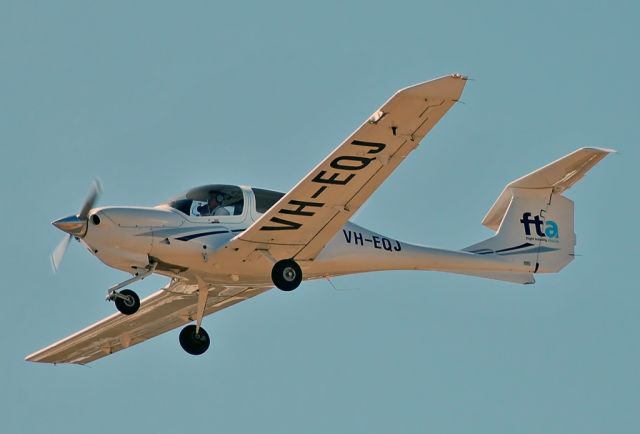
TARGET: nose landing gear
(127,301)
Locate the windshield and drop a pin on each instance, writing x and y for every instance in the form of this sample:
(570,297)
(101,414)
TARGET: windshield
(210,200)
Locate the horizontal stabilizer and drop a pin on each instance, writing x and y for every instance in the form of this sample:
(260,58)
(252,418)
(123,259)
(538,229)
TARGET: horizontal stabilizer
(559,176)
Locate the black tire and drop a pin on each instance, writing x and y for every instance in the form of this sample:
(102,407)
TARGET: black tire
(286,275)
(192,343)
(128,305)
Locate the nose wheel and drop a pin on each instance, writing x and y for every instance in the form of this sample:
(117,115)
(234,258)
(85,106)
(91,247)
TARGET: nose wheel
(286,275)
(194,342)
(127,301)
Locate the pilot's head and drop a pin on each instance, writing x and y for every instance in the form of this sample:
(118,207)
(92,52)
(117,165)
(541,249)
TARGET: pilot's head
(215,199)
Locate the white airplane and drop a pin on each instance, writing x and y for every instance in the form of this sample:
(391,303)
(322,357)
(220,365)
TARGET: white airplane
(222,244)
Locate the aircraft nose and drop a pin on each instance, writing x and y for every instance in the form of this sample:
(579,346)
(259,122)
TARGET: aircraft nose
(72,225)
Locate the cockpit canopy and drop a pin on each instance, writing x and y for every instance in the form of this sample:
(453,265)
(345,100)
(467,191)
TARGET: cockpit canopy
(209,200)
(265,199)
(223,200)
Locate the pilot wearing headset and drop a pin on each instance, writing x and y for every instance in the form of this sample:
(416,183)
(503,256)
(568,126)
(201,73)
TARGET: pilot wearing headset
(214,205)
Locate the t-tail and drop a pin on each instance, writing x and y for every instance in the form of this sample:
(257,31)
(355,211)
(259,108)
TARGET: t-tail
(534,220)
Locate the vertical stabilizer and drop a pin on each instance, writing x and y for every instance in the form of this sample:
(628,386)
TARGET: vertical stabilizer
(534,221)
(535,233)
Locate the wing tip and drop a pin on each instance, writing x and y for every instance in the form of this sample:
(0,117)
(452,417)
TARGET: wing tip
(599,150)
(447,86)
(31,358)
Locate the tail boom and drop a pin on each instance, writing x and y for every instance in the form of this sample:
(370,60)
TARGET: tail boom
(534,234)
(359,250)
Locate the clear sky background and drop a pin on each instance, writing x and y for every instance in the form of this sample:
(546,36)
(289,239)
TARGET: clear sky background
(156,97)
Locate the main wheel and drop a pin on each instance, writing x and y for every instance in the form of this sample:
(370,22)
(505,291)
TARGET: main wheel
(286,275)
(193,343)
(127,302)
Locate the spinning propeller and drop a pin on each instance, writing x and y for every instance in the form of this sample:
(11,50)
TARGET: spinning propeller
(75,225)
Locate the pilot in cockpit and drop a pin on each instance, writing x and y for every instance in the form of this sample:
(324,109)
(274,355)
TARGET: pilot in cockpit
(213,205)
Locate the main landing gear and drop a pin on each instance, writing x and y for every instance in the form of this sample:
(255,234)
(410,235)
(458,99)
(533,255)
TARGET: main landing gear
(127,301)
(193,341)
(286,275)
(193,338)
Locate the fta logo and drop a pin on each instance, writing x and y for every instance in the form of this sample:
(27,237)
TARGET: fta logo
(544,229)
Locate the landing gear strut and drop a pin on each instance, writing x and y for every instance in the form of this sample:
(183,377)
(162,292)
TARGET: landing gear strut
(286,275)
(193,338)
(127,301)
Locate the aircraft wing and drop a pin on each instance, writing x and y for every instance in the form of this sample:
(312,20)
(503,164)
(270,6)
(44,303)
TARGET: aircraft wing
(171,307)
(308,216)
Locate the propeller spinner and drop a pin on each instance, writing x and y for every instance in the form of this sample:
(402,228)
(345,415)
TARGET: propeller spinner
(75,225)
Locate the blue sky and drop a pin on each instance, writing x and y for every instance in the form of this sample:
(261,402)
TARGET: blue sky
(156,97)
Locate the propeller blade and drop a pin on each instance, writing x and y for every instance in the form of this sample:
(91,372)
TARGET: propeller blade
(90,200)
(58,253)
